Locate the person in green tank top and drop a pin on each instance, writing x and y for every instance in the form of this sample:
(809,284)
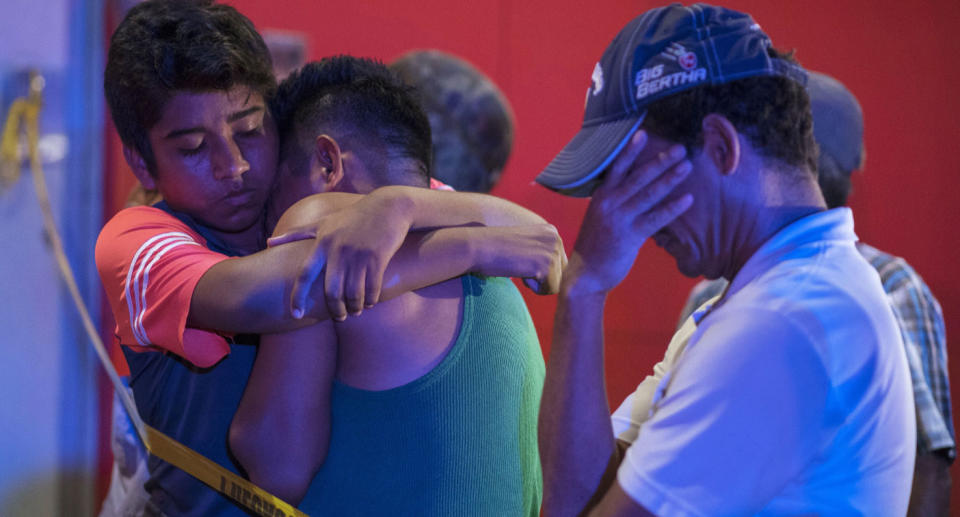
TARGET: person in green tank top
(426,404)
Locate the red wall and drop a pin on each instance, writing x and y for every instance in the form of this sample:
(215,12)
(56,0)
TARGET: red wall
(899,58)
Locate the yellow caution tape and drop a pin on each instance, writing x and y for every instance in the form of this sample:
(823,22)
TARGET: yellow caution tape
(241,491)
(244,493)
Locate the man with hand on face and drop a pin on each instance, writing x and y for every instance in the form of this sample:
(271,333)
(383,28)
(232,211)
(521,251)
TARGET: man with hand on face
(838,129)
(189,283)
(792,394)
(426,404)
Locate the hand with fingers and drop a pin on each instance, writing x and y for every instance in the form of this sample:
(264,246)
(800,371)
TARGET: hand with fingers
(630,205)
(532,252)
(353,247)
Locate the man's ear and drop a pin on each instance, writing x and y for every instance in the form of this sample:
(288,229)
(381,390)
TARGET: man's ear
(721,143)
(139,167)
(326,164)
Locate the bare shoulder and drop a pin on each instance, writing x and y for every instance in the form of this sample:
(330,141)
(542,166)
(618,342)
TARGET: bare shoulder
(310,209)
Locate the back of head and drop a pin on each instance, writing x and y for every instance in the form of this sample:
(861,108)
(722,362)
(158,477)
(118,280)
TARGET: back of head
(163,47)
(365,107)
(668,69)
(838,129)
(470,118)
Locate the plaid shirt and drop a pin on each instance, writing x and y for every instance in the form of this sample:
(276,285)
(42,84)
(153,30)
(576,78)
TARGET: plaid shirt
(921,327)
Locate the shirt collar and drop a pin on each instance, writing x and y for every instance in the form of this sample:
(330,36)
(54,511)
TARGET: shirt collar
(212,243)
(830,225)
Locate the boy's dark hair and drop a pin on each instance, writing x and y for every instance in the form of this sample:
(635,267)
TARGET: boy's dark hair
(361,99)
(771,111)
(163,47)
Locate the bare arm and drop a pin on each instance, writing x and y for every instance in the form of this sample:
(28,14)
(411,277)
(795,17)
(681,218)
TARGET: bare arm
(252,294)
(281,430)
(418,208)
(427,208)
(532,252)
(617,503)
(354,245)
(577,445)
(931,486)
(575,434)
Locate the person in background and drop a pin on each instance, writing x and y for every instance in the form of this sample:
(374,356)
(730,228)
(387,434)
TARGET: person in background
(838,130)
(471,121)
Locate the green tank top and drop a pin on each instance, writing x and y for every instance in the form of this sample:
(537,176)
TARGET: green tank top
(460,440)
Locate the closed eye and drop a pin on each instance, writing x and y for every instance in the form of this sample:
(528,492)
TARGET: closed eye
(193,151)
(257,131)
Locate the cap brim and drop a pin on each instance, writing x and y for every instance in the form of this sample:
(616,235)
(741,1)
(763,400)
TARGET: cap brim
(577,168)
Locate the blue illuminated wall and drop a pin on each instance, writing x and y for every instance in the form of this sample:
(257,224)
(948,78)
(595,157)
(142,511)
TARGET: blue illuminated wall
(48,378)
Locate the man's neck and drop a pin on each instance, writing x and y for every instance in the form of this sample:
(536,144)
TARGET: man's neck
(782,197)
(767,223)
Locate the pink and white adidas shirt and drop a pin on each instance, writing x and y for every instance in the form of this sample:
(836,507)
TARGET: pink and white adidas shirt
(149,264)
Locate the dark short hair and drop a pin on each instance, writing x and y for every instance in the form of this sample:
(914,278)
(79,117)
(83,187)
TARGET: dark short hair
(471,119)
(838,129)
(835,182)
(773,112)
(363,98)
(163,47)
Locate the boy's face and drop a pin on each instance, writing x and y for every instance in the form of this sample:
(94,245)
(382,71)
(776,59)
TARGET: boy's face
(216,156)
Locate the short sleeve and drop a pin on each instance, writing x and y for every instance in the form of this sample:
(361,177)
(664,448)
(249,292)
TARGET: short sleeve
(150,263)
(436,184)
(920,320)
(740,417)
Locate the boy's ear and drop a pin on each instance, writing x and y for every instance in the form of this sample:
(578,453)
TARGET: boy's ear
(326,164)
(139,167)
(721,143)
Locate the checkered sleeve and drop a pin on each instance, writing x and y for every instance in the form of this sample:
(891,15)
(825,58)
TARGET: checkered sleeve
(922,329)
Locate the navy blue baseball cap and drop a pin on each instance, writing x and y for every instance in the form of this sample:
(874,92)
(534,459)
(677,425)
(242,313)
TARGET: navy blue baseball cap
(660,53)
(837,123)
